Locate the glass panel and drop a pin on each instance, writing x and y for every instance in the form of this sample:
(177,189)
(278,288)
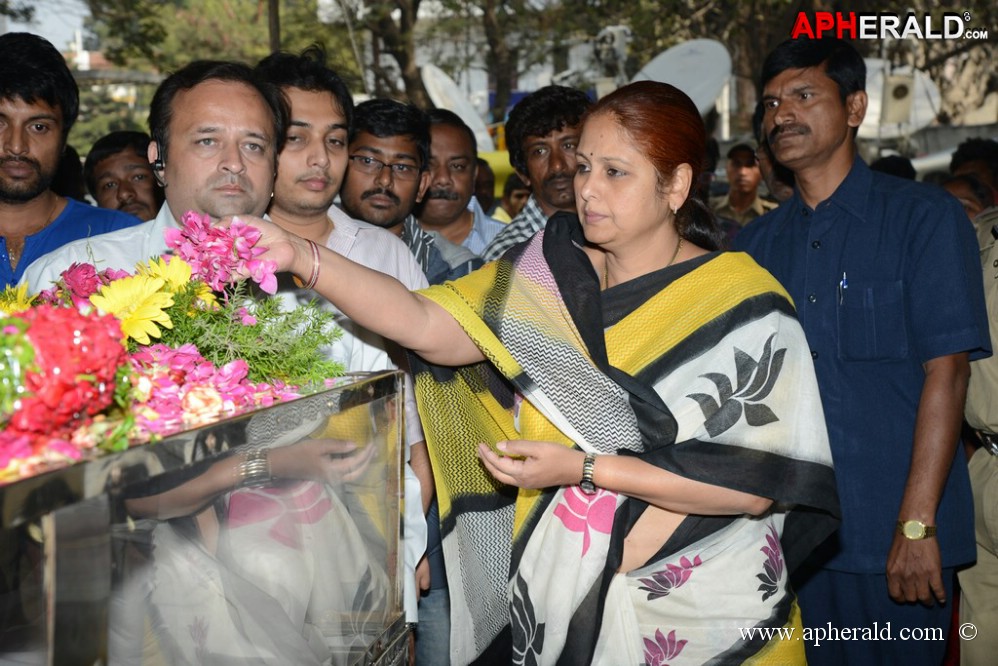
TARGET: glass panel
(155,556)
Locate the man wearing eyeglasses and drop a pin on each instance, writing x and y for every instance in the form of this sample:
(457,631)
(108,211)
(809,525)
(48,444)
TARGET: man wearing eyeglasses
(387,177)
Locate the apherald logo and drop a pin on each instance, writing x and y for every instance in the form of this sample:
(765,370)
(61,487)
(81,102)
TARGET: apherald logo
(854,25)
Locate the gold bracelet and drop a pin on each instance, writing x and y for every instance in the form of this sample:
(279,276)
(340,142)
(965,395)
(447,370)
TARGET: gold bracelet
(254,470)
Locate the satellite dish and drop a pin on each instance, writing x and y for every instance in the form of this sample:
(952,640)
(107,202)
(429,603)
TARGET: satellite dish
(902,100)
(699,67)
(446,95)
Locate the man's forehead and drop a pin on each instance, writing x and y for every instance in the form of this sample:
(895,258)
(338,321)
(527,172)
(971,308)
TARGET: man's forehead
(793,78)
(555,134)
(320,102)
(398,145)
(37,107)
(221,100)
(437,133)
(126,158)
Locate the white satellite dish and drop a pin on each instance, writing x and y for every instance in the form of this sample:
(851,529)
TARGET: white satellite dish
(699,67)
(446,95)
(902,100)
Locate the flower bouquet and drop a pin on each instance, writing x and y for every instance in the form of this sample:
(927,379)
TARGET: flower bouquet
(107,359)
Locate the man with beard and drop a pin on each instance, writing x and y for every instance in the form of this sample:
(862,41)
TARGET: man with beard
(118,174)
(885,277)
(541,135)
(39,102)
(216,131)
(387,177)
(450,206)
(742,203)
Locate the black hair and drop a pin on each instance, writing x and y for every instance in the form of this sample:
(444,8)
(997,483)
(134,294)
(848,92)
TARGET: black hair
(307,71)
(31,69)
(68,179)
(513,182)
(540,113)
(895,165)
(112,144)
(447,117)
(161,108)
(977,149)
(980,191)
(843,63)
(386,118)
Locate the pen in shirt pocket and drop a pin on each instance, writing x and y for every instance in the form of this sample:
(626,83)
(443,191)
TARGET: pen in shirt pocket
(843,285)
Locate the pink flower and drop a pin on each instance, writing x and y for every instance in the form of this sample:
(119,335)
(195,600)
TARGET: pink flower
(81,281)
(109,275)
(218,255)
(580,513)
(663,648)
(245,318)
(13,445)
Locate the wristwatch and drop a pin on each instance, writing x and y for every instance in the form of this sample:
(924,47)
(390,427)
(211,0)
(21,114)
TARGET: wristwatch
(587,486)
(915,530)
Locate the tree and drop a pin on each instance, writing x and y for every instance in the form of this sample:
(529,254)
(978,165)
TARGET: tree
(18,11)
(166,35)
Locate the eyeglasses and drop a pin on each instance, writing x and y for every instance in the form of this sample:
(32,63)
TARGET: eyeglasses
(370,165)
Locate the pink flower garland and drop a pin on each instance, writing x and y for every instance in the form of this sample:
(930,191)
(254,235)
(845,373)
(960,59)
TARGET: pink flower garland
(218,255)
(179,388)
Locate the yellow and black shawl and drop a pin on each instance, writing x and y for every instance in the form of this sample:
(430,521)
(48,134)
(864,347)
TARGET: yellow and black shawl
(701,369)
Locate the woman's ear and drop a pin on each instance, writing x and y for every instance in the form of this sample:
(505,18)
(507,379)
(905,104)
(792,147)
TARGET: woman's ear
(679,186)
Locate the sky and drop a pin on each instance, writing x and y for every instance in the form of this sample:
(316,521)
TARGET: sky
(55,20)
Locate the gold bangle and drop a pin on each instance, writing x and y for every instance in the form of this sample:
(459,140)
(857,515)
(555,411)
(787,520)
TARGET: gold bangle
(254,469)
(314,277)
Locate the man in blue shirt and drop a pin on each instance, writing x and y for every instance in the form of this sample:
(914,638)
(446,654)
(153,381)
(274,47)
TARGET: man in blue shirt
(885,277)
(39,102)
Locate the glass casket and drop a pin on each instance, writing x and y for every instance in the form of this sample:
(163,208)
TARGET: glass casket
(136,558)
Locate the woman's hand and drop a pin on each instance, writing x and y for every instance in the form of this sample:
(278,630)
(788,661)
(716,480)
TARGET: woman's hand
(536,465)
(284,248)
(328,460)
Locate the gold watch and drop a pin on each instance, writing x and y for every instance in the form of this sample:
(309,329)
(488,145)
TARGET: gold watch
(915,530)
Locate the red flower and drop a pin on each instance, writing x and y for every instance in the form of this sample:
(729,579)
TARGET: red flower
(76,358)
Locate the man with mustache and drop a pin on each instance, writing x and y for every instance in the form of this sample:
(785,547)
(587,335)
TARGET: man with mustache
(450,206)
(541,135)
(387,177)
(39,102)
(216,132)
(885,276)
(118,174)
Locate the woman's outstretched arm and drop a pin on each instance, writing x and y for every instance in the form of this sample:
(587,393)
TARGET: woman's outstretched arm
(374,300)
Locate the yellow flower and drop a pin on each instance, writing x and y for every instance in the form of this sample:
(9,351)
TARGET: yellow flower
(177,274)
(138,303)
(206,296)
(175,271)
(15,299)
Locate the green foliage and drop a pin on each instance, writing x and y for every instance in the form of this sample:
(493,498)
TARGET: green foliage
(284,345)
(100,115)
(17,11)
(150,34)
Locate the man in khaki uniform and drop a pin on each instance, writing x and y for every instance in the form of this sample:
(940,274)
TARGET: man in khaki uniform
(742,203)
(979,583)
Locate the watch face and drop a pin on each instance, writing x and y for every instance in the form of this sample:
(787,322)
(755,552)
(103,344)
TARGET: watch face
(914,529)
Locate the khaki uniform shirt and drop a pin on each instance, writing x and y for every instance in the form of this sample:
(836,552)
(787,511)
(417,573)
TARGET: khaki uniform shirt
(982,394)
(722,207)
